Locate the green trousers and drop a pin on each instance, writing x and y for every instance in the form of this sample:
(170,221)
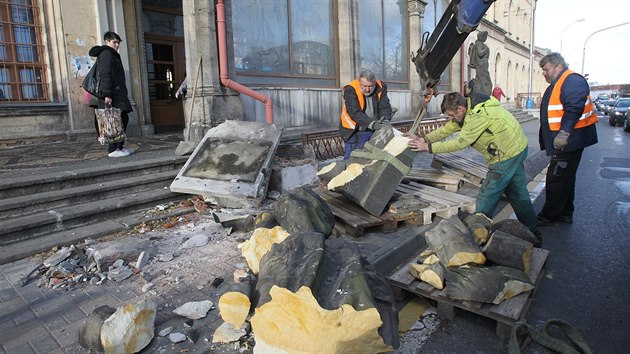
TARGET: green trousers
(508,177)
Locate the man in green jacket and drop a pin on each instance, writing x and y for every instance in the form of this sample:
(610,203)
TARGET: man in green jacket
(482,123)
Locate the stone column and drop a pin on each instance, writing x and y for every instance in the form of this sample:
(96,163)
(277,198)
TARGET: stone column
(349,54)
(213,103)
(416,10)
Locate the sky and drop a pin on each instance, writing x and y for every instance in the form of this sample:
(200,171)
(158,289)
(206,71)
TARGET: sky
(606,54)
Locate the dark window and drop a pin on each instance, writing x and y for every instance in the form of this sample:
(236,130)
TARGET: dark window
(382,39)
(283,38)
(22,71)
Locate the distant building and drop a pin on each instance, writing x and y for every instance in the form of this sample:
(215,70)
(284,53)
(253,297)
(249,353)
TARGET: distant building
(299,53)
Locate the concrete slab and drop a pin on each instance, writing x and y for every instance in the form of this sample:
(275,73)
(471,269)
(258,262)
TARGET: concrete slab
(231,166)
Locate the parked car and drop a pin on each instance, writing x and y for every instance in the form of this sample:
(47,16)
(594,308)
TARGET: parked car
(626,122)
(608,106)
(618,112)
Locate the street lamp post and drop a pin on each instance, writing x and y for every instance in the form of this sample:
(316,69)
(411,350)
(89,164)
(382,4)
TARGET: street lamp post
(531,51)
(565,29)
(591,35)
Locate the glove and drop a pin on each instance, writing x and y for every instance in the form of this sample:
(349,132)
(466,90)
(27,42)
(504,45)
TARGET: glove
(561,140)
(378,124)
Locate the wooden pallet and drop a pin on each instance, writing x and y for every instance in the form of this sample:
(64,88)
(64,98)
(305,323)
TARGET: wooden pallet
(506,314)
(436,178)
(473,171)
(354,220)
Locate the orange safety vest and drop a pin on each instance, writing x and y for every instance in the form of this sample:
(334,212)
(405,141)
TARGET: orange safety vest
(346,121)
(555,110)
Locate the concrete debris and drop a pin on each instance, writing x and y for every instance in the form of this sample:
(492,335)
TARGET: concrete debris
(146,287)
(240,274)
(130,328)
(194,309)
(119,274)
(166,257)
(165,331)
(177,337)
(143,260)
(58,257)
(196,241)
(226,333)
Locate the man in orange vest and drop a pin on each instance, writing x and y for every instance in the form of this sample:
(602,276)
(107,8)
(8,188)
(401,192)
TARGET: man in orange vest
(567,126)
(366,108)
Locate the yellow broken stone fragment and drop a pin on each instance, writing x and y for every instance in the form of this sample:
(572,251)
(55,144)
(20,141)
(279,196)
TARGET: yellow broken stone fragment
(259,244)
(295,323)
(234,308)
(351,172)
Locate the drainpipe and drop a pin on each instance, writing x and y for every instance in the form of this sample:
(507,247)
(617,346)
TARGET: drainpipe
(223,66)
(462,67)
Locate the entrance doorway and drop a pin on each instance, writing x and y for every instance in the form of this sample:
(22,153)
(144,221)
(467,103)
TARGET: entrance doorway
(166,71)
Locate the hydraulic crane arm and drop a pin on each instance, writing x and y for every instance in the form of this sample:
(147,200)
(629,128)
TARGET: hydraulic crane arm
(460,18)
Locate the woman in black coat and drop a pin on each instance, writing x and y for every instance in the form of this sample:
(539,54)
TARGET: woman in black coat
(112,87)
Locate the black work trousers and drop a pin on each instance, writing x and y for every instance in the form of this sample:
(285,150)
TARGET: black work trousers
(560,185)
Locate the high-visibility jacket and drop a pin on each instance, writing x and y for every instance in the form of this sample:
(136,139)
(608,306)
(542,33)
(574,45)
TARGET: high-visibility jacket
(347,121)
(555,110)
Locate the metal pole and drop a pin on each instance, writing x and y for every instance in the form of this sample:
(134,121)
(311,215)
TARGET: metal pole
(591,35)
(565,29)
(531,51)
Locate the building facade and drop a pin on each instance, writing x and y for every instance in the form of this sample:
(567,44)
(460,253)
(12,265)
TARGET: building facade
(298,53)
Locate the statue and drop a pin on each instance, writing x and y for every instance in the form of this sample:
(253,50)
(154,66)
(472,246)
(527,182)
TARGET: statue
(479,61)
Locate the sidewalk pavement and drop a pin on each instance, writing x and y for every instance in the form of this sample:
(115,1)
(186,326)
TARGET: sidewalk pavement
(44,320)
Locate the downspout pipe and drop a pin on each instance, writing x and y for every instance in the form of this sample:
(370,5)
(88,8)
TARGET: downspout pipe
(223,66)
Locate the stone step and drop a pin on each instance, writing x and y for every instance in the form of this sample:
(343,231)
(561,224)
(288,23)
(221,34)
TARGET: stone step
(67,217)
(18,250)
(49,200)
(73,176)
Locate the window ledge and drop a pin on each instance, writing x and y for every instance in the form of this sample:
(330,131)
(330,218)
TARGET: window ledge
(28,109)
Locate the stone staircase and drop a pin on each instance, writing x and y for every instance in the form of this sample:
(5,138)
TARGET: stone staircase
(49,207)
(522,115)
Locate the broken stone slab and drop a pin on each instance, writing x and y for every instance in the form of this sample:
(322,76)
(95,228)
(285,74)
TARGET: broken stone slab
(243,222)
(90,333)
(58,257)
(294,166)
(165,331)
(194,309)
(130,328)
(126,249)
(231,166)
(119,274)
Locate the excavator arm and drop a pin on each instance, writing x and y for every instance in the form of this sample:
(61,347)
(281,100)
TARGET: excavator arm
(460,18)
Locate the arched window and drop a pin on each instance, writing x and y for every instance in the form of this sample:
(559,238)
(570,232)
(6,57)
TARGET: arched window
(383,43)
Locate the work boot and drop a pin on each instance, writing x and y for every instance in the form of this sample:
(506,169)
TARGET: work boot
(538,235)
(565,219)
(543,221)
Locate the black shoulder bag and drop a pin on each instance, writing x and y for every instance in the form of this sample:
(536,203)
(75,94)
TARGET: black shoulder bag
(92,82)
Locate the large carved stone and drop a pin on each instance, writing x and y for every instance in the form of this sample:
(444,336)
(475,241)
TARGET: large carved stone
(372,174)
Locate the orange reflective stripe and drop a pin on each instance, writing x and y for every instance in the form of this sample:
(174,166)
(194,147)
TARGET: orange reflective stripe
(555,109)
(346,121)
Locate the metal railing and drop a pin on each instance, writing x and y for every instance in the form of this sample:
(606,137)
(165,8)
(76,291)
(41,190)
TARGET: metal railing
(328,144)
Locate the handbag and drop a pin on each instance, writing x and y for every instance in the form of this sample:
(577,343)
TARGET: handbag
(92,82)
(110,127)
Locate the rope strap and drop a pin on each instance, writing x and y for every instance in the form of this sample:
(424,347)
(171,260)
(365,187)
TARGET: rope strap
(371,152)
(543,338)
